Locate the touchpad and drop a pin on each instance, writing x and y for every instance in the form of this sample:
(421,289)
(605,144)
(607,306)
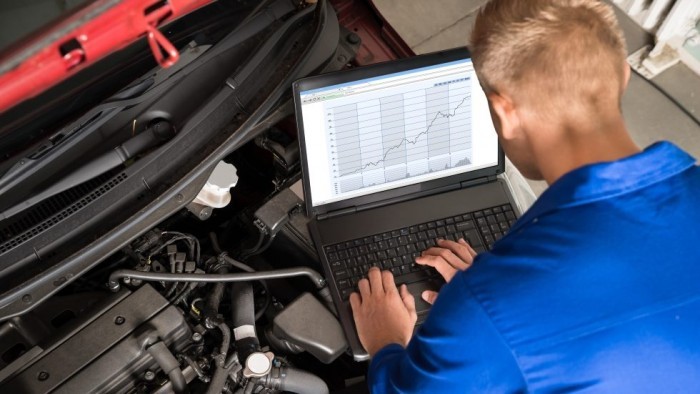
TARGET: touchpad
(418,288)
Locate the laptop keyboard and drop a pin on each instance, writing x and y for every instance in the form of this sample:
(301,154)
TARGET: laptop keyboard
(397,250)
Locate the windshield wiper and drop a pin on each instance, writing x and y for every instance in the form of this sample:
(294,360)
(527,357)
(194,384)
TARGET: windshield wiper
(99,116)
(154,135)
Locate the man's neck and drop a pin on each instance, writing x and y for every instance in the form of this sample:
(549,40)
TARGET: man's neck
(571,147)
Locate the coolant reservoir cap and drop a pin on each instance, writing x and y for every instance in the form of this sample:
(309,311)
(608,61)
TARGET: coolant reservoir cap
(223,177)
(258,364)
(215,192)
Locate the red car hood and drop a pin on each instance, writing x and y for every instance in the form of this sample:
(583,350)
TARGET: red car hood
(83,38)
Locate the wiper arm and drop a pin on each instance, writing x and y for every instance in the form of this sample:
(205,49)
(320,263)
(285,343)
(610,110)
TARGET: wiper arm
(156,134)
(13,175)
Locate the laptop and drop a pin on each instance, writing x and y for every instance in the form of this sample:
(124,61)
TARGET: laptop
(395,156)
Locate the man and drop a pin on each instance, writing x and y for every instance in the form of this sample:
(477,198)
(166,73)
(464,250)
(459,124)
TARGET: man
(597,286)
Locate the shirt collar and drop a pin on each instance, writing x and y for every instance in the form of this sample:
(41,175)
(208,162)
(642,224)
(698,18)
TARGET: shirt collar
(600,181)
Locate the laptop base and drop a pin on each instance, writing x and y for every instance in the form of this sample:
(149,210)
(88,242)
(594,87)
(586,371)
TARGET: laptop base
(389,219)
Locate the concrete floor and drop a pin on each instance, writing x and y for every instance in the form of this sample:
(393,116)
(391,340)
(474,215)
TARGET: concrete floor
(428,26)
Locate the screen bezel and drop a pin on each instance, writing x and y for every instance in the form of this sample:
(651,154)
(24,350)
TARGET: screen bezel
(379,69)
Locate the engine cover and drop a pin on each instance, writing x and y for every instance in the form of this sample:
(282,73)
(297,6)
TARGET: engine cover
(107,352)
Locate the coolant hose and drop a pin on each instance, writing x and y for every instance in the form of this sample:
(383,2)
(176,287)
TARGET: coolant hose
(225,342)
(169,364)
(218,381)
(295,381)
(211,309)
(243,307)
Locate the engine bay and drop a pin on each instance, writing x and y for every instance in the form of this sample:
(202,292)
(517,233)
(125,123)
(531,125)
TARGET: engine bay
(231,301)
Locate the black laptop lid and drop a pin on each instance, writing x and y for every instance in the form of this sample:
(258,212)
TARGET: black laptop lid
(395,129)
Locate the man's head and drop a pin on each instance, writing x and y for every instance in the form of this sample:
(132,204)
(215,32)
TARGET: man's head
(547,62)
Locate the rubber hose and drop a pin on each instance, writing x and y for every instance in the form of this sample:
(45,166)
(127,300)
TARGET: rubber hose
(243,307)
(211,310)
(249,387)
(242,304)
(218,381)
(169,364)
(247,268)
(295,381)
(236,263)
(225,342)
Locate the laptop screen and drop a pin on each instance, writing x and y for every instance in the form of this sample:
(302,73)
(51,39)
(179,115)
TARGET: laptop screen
(386,132)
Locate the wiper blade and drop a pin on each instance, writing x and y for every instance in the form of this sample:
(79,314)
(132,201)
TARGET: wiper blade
(154,135)
(24,165)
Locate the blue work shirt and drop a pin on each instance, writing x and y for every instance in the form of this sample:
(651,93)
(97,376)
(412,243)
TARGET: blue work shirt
(595,288)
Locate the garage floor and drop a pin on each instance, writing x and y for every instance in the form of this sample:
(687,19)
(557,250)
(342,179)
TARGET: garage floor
(428,26)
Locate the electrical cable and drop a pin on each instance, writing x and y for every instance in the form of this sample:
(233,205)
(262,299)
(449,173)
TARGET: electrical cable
(235,263)
(260,249)
(183,296)
(193,242)
(176,298)
(171,290)
(193,246)
(215,243)
(245,253)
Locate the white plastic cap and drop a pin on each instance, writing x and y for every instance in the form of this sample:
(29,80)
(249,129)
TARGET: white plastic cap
(259,364)
(216,192)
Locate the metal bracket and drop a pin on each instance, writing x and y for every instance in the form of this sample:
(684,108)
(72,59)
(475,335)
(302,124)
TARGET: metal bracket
(163,50)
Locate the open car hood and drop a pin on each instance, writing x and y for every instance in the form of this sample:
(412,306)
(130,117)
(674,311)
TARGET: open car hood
(86,36)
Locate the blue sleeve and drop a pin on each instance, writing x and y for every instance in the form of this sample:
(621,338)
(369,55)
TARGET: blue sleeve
(457,349)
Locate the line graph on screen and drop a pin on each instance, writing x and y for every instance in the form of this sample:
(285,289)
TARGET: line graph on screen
(400,135)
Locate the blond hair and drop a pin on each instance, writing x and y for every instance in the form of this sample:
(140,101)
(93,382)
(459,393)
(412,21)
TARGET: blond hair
(566,50)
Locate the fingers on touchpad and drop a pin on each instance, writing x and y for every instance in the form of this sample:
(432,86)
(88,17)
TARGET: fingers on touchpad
(416,289)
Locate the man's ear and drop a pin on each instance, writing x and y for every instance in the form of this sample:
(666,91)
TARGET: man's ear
(626,75)
(504,116)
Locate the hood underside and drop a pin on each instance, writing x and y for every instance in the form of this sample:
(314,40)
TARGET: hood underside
(84,37)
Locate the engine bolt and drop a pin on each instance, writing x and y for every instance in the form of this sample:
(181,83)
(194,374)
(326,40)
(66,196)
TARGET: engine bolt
(119,320)
(149,375)
(196,337)
(353,38)
(43,375)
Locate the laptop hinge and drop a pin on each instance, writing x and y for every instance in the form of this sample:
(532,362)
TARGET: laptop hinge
(478,181)
(336,213)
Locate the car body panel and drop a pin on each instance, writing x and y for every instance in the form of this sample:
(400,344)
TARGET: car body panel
(84,38)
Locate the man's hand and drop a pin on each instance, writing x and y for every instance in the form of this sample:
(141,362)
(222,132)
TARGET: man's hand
(447,258)
(382,316)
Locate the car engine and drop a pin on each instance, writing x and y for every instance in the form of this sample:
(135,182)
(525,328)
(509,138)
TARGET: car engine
(179,310)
